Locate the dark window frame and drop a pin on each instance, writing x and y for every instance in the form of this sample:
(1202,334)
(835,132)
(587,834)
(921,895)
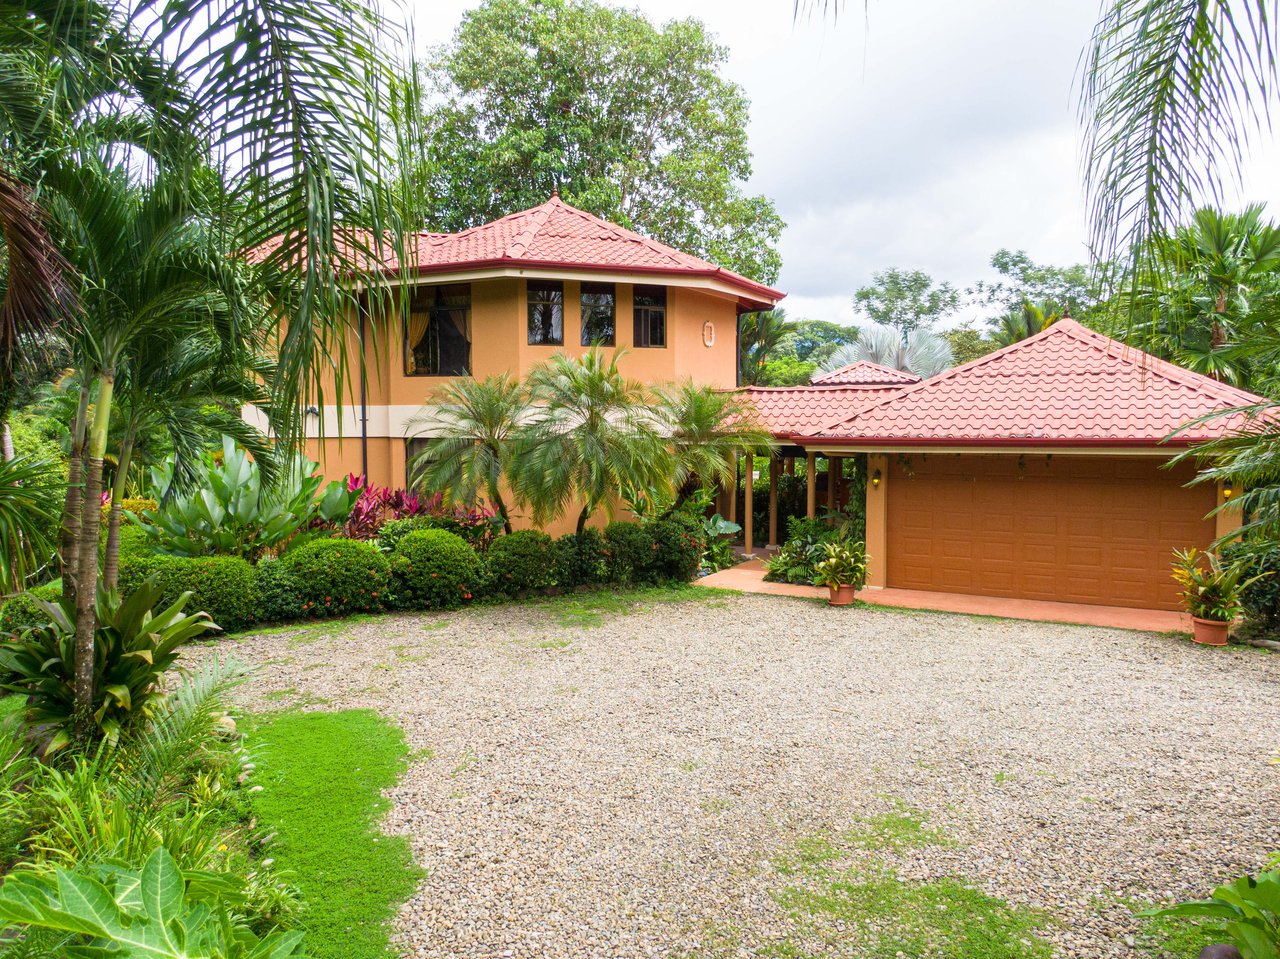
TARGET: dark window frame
(552,300)
(438,313)
(598,290)
(644,314)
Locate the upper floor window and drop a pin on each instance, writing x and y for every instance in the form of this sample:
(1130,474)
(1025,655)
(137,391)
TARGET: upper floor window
(546,313)
(438,331)
(598,314)
(650,316)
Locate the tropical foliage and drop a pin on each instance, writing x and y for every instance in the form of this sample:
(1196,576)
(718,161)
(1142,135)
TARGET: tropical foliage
(1211,589)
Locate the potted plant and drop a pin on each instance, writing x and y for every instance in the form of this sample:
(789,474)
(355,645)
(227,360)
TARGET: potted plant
(1211,592)
(843,570)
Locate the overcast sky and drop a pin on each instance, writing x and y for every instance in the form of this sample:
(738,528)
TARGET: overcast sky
(921,134)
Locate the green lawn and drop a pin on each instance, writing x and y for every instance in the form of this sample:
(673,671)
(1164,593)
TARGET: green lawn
(323,774)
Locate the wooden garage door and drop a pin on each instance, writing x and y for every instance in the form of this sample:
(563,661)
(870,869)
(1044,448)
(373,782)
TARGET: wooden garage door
(1080,529)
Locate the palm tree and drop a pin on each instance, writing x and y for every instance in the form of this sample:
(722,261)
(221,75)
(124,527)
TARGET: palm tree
(594,436)
(759,336)
(148,273)
(707,430)
(921,351)
(475,430)
(29,498)
(1026,321)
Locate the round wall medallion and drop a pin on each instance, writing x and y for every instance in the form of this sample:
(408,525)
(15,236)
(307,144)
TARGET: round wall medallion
(708,334)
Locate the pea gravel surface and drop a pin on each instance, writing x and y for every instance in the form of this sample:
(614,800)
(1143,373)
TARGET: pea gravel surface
(624,787)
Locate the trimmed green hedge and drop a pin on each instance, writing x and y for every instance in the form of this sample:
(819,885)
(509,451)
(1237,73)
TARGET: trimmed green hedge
(222,586)
(582,559)
(21,612)
(630,552)
(521,561)
(279,598)
(678,545)
(434,569)
(339,576)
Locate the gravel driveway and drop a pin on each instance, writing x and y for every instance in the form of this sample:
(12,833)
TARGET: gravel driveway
(625,788)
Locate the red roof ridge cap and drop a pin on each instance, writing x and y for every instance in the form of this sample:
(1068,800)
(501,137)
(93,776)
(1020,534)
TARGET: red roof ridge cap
(524,239)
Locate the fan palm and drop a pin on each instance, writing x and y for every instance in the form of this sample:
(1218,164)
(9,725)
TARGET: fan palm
(921,351)
(707,430)
(593,437)
(475,430)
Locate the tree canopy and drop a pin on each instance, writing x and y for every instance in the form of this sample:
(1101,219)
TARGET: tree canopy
(629,121)
(905,299)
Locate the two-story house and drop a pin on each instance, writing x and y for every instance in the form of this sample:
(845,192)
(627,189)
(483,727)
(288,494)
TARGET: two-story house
(507,295)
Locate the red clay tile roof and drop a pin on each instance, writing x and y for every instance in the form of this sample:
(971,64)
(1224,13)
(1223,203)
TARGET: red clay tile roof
(552,236)
(1065,386)
(863,372)
(792,411)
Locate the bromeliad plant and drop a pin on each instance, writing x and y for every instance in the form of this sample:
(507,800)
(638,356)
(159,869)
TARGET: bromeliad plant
(133,648)
(1211,589)
(233,511)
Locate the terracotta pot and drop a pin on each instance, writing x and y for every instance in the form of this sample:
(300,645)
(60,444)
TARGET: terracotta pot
(1209,632)
(841,595)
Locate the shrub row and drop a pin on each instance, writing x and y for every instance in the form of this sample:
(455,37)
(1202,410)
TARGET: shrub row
(418,567)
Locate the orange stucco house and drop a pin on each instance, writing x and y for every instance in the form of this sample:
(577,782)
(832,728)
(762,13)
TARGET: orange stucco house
(506,296)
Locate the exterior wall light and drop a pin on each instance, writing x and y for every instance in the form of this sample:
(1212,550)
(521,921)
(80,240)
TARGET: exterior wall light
(1228,489)
(312,411)
(875,480)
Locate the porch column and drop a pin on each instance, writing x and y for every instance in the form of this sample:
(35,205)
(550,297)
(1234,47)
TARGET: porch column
(877,519)
(773,502)
(1226,521)
(748,510)
(833,474)
(810,464)
(732,514)
(791,466)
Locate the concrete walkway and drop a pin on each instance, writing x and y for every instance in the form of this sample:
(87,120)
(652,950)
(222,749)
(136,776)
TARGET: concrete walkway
(748,577)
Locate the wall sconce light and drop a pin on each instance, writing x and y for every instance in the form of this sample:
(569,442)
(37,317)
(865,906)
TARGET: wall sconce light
(1228,489)
(875,479)
(312,411)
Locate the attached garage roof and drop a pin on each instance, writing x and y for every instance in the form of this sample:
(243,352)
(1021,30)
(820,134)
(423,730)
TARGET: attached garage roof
(864,372)
(794,411)
(1065,386)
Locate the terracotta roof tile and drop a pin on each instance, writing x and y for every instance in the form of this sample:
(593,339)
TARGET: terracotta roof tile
(863,372)
(553,235)
(800,410)
(1064,386)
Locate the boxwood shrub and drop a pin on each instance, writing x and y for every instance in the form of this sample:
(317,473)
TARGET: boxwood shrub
(434,569)
(279,599)
(222,586)
(339,576)
(392,531)
(678,545)
(521,561)
(629,548)
(582,559)
(21,612)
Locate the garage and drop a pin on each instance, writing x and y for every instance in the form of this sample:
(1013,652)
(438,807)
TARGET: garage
(1079,529)
(1041,472)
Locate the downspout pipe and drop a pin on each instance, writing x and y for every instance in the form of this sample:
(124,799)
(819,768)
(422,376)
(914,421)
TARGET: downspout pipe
(364,400)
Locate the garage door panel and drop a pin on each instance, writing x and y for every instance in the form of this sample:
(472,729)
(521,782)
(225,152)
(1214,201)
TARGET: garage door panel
(1092,529)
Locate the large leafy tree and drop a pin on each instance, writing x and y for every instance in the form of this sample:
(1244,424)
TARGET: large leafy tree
(905,299)
(1076,288)
(630,121)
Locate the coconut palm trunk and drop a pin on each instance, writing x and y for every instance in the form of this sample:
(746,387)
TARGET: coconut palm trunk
(87,573)
(111,556)
(72,506)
